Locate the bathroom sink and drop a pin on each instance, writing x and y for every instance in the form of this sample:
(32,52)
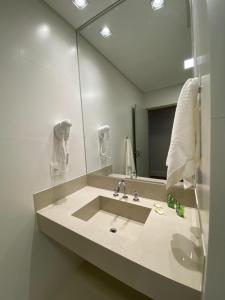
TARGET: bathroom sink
(121,237)
(115,216)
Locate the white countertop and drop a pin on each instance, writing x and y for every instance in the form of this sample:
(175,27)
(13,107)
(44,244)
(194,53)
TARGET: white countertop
(167,244)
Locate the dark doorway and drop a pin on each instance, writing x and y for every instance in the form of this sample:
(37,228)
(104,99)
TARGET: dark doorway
(160,129)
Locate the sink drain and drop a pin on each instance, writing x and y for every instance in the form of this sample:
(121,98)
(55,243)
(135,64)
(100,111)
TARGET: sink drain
(113,230)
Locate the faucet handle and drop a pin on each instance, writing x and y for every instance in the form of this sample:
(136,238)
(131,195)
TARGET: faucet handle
(116,194)
(117,189)
(135,194)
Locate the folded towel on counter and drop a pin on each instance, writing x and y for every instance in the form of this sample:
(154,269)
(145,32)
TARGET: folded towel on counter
(183,156)
(130,169)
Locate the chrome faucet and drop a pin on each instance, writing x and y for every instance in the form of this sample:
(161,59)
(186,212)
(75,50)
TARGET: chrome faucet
(136,196)
(118,189)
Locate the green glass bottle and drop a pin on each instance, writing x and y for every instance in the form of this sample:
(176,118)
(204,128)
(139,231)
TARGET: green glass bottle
(171,201)
(180,210)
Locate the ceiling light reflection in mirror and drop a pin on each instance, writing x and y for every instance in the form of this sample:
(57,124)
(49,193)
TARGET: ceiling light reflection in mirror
(105,32)
(189,63)
(157,4)
(80,4)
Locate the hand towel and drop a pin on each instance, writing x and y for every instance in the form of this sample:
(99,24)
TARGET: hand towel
(130,169)
(183,156)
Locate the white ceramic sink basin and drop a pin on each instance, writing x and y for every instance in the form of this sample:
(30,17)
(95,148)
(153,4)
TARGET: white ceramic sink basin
(115,216)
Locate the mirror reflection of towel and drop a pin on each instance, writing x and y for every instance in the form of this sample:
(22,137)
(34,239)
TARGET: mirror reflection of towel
(129,159)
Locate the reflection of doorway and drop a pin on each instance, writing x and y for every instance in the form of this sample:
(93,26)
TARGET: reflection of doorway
(160,128)
(140,140)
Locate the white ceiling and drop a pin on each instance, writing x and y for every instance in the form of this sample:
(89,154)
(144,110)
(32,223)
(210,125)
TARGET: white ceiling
(73,15)
(148,46)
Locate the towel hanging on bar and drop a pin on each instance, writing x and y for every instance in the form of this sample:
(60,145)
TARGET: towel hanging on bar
(183,156)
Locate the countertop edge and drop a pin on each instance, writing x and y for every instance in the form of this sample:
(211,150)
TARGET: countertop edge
(125,270)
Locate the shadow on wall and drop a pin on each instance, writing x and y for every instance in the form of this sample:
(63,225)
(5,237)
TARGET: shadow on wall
(58,274)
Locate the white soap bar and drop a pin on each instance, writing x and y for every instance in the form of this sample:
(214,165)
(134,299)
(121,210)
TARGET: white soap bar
(159,211)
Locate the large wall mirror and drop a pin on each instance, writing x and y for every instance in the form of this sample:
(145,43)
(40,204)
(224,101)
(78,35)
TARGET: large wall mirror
(133,62)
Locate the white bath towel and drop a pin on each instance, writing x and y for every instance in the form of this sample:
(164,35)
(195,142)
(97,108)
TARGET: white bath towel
(130,169)
(183,157)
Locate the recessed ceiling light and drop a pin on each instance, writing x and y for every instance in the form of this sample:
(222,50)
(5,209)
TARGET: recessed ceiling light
(81,4)
(43,30)
(189,63)
(157,4)
(105,31)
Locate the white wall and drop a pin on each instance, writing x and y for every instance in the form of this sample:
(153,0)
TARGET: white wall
(210,47)
(201,51)
(107,98)
(213,11)
(38,86)
(163,97)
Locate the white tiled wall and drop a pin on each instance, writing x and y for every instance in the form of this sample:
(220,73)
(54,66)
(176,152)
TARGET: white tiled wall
(107,98)
(201,51)
(210,47)
(162,97)
(215,288)
(38,87)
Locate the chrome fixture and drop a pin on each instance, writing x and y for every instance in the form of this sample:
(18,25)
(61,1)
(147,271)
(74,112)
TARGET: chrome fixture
(118,188)
(136,196)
